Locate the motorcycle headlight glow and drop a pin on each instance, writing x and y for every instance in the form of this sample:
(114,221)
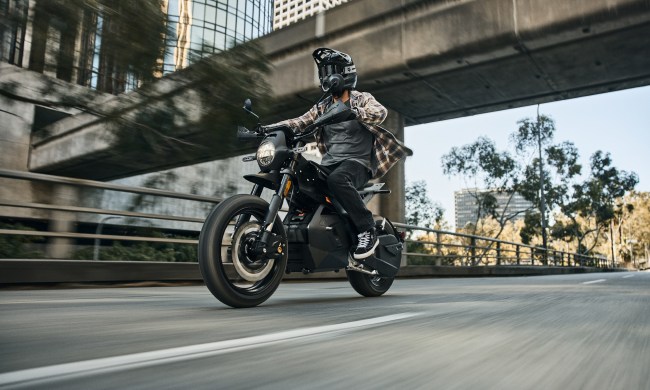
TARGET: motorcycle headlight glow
(265,153)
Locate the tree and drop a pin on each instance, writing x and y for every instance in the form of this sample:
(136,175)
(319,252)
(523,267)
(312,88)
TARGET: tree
(496,172)
(420,210)
(634,228)
(122,39)
(591,209)
(546,174)
(547,177)
(183,117)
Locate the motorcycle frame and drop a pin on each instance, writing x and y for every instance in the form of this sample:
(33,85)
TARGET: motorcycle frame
(289,182)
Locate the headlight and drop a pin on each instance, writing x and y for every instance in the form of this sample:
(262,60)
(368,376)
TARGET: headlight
(265,153)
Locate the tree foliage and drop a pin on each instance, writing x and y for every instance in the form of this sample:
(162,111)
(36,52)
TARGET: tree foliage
(489,168)
(634,227)
(420,210)
(592,205)
(582,208)
(188,116)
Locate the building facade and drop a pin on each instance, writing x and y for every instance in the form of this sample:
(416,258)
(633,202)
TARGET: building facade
(286,12)
(114,46)
(69,41)
(467,211)
(199,28)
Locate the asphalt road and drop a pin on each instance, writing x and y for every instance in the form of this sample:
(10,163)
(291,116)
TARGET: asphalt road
(551,332)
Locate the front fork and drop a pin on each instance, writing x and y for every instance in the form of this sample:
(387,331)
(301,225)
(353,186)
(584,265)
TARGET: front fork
(266,237)
(267,240)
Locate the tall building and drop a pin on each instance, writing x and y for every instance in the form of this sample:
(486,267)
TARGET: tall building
(80,42)
(466,208)
(198,28)
(286,12)
(114,46)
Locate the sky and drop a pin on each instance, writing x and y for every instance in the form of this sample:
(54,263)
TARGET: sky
(616,122)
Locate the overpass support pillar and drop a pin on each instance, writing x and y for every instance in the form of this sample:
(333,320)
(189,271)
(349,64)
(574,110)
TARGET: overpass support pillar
(392,206)
(62,222)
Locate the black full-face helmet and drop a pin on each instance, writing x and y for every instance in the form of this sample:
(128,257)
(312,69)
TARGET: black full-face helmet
(336,71)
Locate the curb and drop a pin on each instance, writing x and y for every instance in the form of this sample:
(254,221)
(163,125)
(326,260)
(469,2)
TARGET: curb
(16,272)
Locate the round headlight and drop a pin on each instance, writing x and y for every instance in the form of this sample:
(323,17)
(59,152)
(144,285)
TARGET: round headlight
(265,153)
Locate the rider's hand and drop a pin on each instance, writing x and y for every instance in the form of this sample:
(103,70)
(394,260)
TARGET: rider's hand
(259,129)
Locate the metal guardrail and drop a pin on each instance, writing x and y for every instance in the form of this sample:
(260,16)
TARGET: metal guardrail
(436,247)
(59,180)
(457,249)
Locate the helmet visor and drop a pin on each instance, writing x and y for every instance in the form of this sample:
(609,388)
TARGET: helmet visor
(330,69)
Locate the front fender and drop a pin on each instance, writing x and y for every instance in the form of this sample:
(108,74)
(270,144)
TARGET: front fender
(269,180)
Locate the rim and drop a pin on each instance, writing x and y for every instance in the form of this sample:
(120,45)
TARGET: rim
(244,273)
(376,281)
(247,267)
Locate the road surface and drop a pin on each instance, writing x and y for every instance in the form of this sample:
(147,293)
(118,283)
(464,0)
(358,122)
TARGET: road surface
(551,332)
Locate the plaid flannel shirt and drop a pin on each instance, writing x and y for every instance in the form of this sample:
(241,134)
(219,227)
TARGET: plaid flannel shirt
(388,149)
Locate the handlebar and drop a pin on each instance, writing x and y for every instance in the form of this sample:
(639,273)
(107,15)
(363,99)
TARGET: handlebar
(335,113)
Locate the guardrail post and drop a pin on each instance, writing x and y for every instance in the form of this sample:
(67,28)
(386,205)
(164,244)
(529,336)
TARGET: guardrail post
(438,249)
(532,256)
(62,222)
(473,250)
(498,253)
(517,251)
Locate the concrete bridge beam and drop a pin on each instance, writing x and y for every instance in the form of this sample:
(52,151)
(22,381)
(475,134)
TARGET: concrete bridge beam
(428,60)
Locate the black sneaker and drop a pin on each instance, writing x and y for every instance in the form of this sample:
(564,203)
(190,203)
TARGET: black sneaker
(367,243)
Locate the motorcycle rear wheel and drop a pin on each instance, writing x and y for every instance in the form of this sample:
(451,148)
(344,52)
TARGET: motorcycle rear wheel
(369,285)
(230,273)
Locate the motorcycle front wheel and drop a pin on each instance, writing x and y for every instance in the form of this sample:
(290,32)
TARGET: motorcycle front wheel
(230,271)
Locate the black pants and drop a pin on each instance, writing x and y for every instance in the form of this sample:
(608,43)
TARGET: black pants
(343,182)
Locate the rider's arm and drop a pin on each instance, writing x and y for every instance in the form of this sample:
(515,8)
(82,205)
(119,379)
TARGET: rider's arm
(299,124)
(369,110)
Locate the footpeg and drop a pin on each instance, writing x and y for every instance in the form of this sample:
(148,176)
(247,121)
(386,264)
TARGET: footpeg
(356,266)
(380,266)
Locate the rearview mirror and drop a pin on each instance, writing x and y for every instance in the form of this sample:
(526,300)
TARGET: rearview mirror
(248,107)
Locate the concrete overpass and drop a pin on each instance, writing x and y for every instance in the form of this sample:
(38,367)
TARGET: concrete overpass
(427,60)
(435,60)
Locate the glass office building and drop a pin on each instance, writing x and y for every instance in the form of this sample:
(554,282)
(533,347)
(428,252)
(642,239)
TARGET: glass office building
(74,42)
(466,208)
(198,28)
(288,12)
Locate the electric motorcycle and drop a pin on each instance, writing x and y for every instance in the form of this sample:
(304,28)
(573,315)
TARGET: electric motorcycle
(245,247)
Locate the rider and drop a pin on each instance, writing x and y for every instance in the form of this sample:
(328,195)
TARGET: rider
(356,150)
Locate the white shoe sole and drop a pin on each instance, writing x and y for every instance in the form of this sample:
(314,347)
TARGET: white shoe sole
(367,254)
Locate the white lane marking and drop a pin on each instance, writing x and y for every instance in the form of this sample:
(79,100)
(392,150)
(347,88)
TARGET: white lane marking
(75,301)
(146,359)
(628,276)
(594,281)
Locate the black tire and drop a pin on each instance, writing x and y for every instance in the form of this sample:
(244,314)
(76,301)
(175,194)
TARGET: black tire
(368,285)
(234,281)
